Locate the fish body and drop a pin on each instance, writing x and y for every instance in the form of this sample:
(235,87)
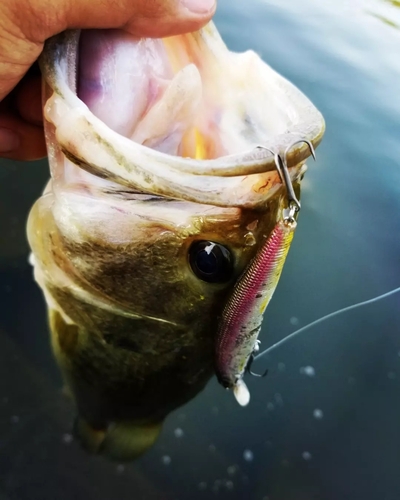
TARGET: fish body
(160,198)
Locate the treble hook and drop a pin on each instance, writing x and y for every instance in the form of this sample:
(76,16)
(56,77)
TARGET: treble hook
(249,365)
(306,141)
(283,171)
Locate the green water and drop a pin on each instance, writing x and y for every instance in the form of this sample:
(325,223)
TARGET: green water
(330,436)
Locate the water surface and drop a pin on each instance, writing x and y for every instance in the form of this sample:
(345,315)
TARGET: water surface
(324,424)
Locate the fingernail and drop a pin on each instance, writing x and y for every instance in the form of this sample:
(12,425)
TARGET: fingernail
(199,6)
(9,140)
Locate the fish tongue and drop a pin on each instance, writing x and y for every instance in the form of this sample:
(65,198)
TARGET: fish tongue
(164,125)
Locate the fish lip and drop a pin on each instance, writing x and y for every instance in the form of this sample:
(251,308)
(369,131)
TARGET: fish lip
(60,54)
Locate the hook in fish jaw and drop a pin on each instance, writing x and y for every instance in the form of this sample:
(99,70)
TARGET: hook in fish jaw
(300,141)
(294,205)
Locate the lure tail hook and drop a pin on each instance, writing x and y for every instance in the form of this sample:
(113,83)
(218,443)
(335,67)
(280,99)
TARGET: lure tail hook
(249,370)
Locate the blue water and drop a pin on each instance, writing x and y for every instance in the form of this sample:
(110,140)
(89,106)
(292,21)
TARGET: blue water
(325,432)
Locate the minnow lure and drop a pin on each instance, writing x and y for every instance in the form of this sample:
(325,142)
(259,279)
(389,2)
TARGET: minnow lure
(241,319)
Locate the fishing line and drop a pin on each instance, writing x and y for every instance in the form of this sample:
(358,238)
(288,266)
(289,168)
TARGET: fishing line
(324,318)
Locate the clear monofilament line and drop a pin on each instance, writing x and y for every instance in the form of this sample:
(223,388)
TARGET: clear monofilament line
(324,318)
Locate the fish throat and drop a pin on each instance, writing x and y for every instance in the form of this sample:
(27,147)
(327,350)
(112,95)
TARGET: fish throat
(163,94)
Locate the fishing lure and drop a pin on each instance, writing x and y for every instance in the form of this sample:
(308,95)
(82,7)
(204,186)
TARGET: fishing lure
(240,323)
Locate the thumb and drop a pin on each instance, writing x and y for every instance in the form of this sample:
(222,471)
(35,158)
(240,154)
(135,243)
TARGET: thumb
(22,36)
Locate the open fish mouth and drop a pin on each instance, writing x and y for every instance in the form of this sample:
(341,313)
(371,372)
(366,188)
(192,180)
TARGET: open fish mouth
(182,117)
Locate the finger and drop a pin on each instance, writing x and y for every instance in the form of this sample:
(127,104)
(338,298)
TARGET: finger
(156,18)
(22,38)
(28,99)
(20,140)
(21,124)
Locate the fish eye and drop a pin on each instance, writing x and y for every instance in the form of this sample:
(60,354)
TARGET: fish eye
(211,262)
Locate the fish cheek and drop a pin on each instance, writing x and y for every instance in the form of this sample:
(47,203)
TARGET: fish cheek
(149,275)
(146,276)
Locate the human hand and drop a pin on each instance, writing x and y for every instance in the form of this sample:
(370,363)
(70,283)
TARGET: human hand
(26,24)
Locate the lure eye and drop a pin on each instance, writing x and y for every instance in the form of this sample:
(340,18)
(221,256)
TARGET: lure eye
(211,262)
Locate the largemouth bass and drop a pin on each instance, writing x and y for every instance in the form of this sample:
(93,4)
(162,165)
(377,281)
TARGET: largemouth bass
(164,192)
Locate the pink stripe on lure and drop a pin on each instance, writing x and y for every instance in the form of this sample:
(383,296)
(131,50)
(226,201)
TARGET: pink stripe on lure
(242,316)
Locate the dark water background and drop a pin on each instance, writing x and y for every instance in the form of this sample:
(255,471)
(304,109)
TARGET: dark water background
(331,436)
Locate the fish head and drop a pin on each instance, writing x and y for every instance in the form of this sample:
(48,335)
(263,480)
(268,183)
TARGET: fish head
(163,188)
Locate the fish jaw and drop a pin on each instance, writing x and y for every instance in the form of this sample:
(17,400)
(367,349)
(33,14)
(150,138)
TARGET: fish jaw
(224,105)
